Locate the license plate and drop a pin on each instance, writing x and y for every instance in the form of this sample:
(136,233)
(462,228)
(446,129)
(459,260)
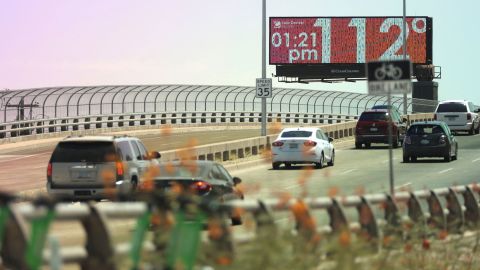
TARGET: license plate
(373,129)
(293,146)
(424,141)
(85,175)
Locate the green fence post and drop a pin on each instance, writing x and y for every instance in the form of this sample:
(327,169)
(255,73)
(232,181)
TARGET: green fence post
(143,223)
(184,241)
(36,243)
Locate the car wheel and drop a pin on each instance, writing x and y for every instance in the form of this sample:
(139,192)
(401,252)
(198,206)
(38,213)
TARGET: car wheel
(406,159)
(332,160)
(358,145)
(471,131)
(456,154)
(414,159)
(395,143)
(275,165)
(367,145)
(477,131)
(288,165)
(447,157)
(319,165)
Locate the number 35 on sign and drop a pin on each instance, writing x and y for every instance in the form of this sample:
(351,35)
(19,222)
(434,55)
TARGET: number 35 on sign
(264,88)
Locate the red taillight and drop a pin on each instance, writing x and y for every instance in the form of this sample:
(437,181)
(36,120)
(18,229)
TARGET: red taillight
(119,168)
(435,116)
(201,187)
(469,116)
(277,144)
(49,170)
(310,143)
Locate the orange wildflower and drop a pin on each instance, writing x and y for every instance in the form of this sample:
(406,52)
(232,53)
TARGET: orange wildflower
(344,239)
(224,260)
(442,235)
(426,244)
(333,192)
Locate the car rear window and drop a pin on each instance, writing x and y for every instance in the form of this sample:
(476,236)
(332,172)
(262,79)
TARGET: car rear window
(452,107)
(373,116)
(186,170)
(296,134)
(425,130)
(84,152)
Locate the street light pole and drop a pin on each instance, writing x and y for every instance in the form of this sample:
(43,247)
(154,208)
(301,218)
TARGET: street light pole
(264,66)
(405,107)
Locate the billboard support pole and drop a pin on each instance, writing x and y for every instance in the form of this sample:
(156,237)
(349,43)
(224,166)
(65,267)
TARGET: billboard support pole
(390,144)
(405,106)
(264,66)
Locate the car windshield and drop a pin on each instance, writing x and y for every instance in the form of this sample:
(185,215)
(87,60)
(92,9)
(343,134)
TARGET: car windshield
(296,134)
(188,169)
(425,130)
(452,107)
(84,152)
(374,116)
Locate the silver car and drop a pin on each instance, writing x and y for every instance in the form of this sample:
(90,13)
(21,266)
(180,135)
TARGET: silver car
(86,167)
(459,115)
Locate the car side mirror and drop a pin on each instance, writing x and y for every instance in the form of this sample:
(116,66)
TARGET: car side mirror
(155,155)
(330,139)
(236,181)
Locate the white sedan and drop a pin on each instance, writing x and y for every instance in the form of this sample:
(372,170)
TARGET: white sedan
(302,145)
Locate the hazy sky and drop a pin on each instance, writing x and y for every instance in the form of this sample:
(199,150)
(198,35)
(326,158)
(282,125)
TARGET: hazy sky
(214,42)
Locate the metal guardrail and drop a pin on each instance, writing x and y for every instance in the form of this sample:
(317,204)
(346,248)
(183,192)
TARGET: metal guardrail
(68,124)
(452,210)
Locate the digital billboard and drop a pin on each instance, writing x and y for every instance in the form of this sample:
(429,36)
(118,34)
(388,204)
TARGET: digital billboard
(320,44)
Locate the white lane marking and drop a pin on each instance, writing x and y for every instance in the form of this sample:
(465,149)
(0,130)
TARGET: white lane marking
(404,185)
(348,171)
(26,156)
(475,160)
(281,220)
(447,170)
(292,186)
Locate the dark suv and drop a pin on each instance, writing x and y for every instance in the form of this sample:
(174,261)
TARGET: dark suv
(372,127)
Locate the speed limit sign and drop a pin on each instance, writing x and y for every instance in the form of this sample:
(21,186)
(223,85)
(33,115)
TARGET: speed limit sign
(264,88)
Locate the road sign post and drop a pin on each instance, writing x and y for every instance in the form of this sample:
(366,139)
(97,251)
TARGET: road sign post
(264,91)
(387,78)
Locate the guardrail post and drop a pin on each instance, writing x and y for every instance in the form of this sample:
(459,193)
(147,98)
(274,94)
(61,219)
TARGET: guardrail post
(472,211)
(330,121)
(193,118)
(98,125)
(251,118)
(213,118)
(269,118)
(98,245)
(297,120)
(203,119)
(184,118)
(13,133)
(242,117)
(38,130)
(132,120)
(232,118)
(321,119)
(2,132)
(109,123)
(173,119)
(14,240)
(287,118)
(87,123)
(416,214)
(51,123)
(338,220)
(367,220)
(437,216)
(163,121)
(455,218)
(75,126)
(392,217)
(152,120)
(142,120)
(120,122)
(305,119)
(223,119)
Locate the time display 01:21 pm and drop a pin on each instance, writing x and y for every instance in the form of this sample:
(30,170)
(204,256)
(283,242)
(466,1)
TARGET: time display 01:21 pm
(346,40)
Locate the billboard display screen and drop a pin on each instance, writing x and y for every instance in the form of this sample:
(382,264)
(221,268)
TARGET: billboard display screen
(348,40)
